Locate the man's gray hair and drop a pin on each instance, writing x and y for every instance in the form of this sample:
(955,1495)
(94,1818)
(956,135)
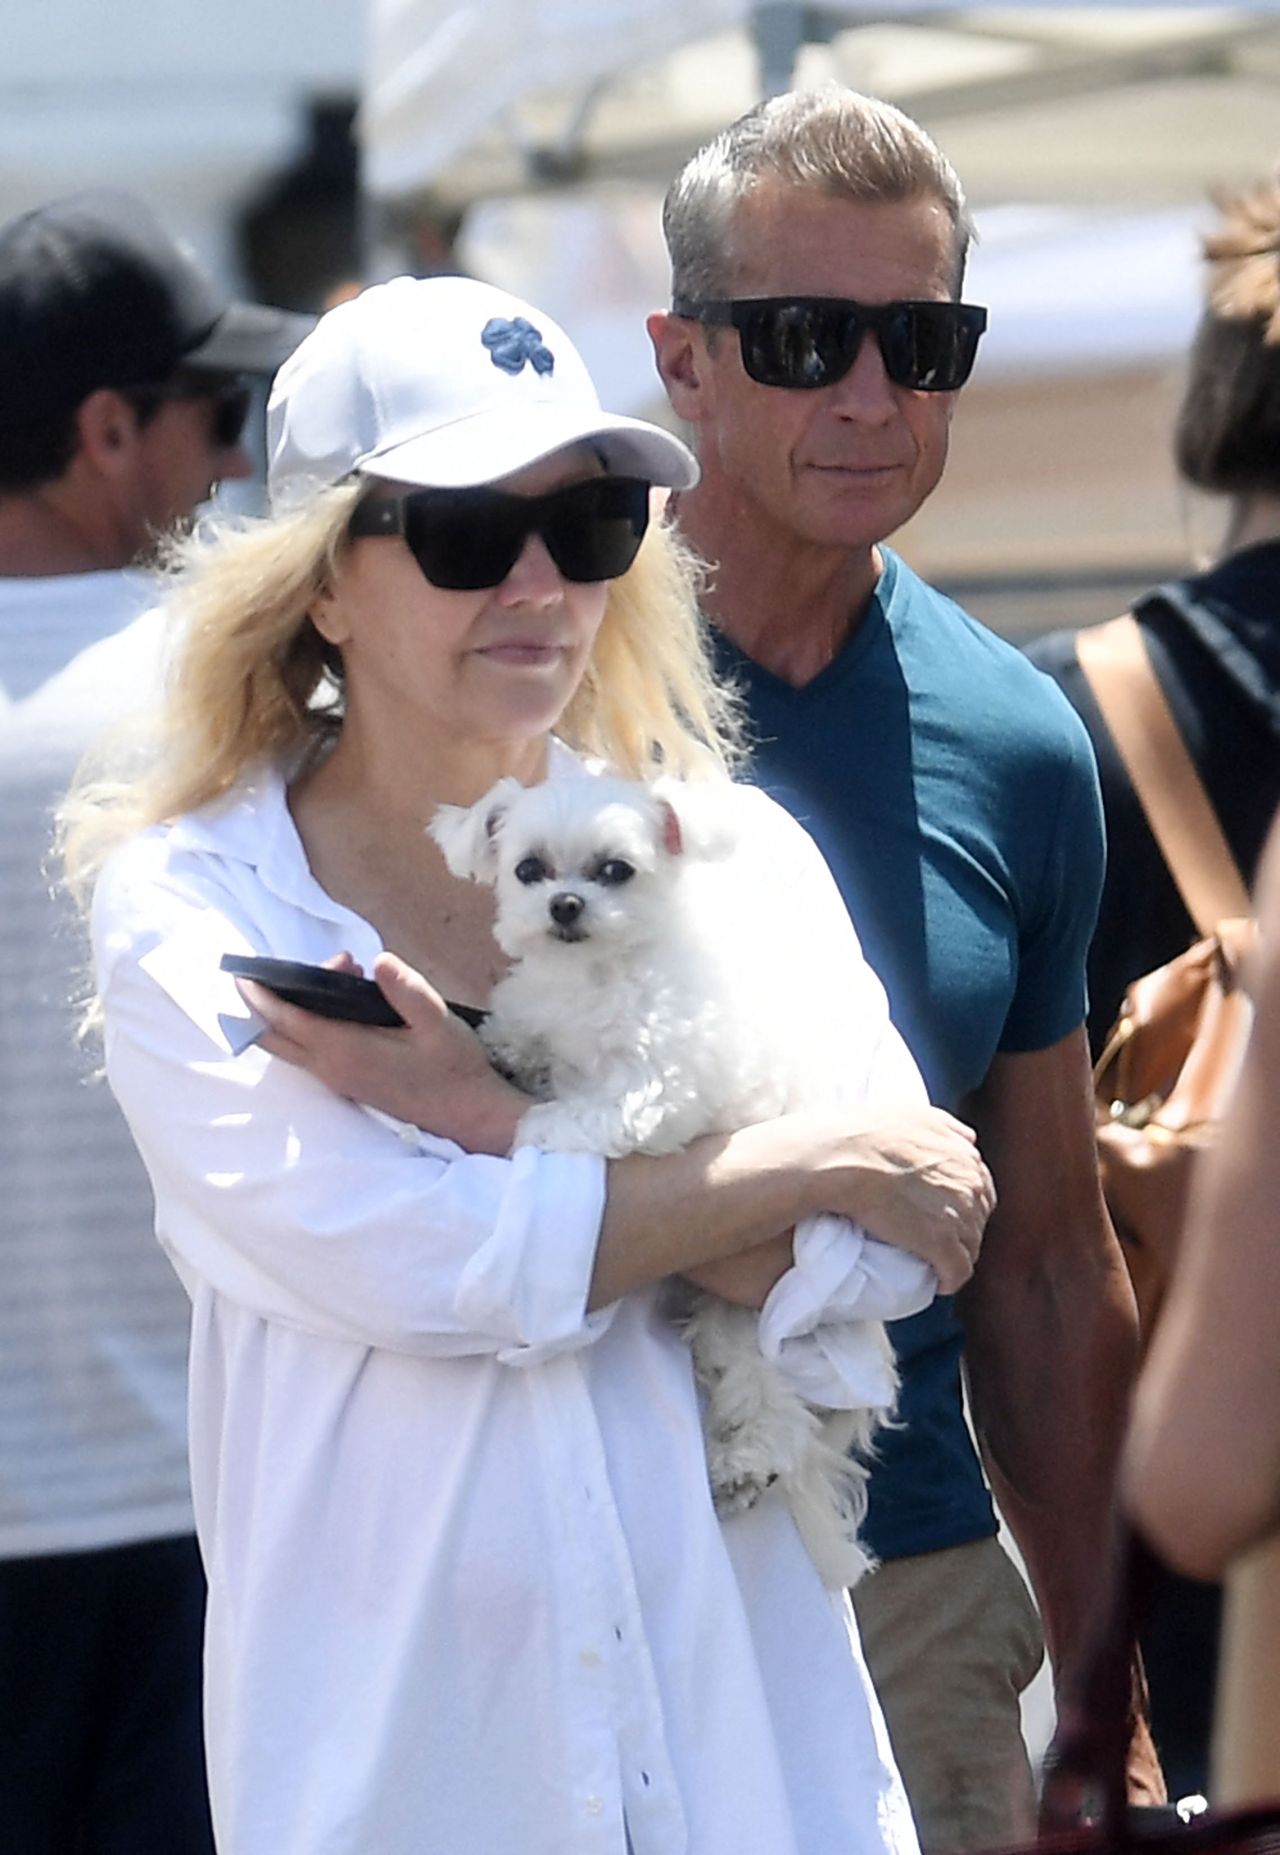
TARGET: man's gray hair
(831,140)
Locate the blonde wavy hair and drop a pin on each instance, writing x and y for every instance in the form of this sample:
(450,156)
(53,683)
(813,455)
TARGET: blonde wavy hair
(251,680)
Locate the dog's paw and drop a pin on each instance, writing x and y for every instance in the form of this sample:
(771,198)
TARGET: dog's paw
(757,1438)
(743,1461)
(574,1123)
(740,1494)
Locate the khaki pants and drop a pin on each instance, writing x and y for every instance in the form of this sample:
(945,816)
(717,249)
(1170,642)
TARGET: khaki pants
(951,1639)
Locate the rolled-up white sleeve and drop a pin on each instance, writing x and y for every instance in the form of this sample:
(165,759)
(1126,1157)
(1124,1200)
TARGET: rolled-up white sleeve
(311,1211)
(526,1283)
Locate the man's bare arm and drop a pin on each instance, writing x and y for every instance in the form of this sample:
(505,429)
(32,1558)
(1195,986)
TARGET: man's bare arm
(1051,1342)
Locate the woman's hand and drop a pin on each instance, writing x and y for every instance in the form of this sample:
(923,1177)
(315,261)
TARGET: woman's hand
(916,1180)
(714,1211)
(432,1072)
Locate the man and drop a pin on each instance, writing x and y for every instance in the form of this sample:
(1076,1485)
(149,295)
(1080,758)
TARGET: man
(955,798)
(124,385)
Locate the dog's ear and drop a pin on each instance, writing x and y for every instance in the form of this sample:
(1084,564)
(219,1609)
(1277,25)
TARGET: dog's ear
(468,834)
(694,817)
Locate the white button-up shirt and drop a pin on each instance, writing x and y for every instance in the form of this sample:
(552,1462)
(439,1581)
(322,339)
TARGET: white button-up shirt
(468,1594)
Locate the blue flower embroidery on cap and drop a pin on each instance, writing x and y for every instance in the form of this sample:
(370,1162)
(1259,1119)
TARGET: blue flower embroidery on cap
(511,344)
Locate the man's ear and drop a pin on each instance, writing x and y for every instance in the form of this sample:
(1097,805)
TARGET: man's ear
(107,430)
(680,355)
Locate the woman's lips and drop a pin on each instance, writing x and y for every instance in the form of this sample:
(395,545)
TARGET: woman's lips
(522,651)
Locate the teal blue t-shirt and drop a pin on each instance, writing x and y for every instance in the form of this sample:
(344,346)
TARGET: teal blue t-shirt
(953,792)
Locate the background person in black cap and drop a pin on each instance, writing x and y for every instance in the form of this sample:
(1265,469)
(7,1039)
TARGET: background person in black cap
(124,384)
(125,377)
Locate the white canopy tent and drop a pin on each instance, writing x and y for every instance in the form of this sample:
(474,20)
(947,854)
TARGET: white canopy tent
(500,96)
(560,123)
(1088,139)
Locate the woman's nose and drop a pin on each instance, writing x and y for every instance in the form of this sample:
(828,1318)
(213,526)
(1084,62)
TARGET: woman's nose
(534,579)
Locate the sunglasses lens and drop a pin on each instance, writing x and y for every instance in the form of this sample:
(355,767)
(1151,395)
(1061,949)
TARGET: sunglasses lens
(230,410)
(465,542)
(595,529)
(470,540)
(798,344)
(929,346)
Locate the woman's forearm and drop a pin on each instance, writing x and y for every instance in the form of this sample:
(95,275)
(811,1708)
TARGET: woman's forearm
(911,1177)
(721,1195)
(915,1180)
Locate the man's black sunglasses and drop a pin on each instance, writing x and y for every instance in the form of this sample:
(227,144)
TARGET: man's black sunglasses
(229,397)
(470,539)
(813,341)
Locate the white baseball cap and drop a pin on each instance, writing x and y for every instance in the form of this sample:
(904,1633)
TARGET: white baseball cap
(448,383)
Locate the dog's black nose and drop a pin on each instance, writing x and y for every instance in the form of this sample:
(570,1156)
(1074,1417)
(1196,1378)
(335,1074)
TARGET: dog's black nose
(566,908)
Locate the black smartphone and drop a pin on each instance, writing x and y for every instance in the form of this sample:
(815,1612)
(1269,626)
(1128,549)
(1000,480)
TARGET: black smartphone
(329,994)
(316,988)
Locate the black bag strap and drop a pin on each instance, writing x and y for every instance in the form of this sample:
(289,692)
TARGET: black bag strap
(1118,670)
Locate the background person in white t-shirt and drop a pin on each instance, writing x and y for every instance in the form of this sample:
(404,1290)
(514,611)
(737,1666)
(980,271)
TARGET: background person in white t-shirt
(123,392)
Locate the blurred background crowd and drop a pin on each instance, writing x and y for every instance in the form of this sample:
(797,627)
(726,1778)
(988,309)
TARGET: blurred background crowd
(298,148)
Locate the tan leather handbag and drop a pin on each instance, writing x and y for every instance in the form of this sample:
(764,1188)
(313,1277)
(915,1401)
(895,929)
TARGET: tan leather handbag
(1171,1060)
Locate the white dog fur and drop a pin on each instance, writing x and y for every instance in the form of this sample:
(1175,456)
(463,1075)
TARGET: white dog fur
(626,1014)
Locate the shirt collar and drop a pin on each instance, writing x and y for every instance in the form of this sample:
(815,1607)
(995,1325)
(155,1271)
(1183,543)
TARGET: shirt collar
(252,824)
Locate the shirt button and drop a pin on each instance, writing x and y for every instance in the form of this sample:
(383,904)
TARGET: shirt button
(589,1658)
(595,1806)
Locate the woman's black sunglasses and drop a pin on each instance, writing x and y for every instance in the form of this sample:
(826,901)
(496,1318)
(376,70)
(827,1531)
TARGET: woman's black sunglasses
(229,397)
(813,341)
(468,540)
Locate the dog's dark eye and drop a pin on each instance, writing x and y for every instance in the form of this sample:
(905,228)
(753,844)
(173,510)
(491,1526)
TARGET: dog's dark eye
(531,869)
(614,871)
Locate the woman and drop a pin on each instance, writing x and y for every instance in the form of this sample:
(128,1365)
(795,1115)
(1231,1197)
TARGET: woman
(1214,636)
(1203,1458)
(1204,1445)
(1214,642)
(467,1588)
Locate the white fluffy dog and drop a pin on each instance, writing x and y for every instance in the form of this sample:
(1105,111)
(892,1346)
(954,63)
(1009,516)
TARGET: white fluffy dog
(627,1014)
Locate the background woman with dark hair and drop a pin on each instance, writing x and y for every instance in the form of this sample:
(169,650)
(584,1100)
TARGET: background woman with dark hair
(1214,641)
(1214,637)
